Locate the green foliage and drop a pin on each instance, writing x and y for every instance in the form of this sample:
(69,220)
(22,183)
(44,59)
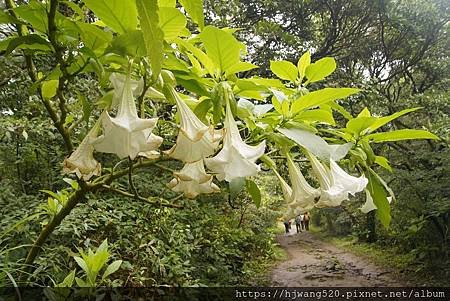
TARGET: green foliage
(70,49)
(92,262)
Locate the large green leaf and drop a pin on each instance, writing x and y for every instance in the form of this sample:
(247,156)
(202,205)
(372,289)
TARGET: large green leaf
(383,120)
(172,22)
(316,98)
(406,134)
(120,15)
(316,115)
(303,63)
(153,35)
(34,13)
(131,43)
(93,37)
(32,42)
(358,124)
(7,18)
(284,70)
(198,53)
(380,200)
(195,9)
(221,46)
(240,67)
(320,69)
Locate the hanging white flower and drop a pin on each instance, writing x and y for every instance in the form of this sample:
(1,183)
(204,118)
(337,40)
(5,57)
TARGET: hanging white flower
(236,159)
(192,180)
(335,183)
(81,161)
(195,140)
(301,195)
(127,135)
(118,81)
(369,205)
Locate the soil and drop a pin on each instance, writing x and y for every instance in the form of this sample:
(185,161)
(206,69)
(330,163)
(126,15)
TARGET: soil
(314,263)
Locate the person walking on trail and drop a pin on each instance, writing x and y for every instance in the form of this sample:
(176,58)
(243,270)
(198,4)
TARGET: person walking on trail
(306,219)
(286,226)
(302,221)
(298,222)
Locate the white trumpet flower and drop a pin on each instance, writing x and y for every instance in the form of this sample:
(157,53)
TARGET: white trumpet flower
(192,180)
(301,196)
(127,135)
(335,183)
(81,161)
(195,140)
(236,159)
(118,81)
(369,205)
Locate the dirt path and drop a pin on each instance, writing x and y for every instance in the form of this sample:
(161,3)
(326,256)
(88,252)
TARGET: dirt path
(314,263)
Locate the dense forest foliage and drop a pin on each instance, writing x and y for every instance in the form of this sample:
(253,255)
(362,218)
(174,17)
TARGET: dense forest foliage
(64,65)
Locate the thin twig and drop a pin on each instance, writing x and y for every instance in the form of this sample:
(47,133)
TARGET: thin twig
(148,200)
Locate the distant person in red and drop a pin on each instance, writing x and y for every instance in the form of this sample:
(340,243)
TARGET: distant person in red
(306,218)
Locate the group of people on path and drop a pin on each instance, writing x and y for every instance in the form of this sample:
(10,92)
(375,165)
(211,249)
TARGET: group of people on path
(301,222)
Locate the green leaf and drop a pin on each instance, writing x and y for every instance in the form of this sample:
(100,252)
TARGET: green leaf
(380,200)
(316,115)
(254,192)
(341,110)
(195,10)
(359,124)
(153,35)
(68,281)
(113,267)
(202,109)
(406,134)
(221,46)
(199,54)
(119,15)
(364,113)
(94,37)
(320,69)
(383,120)
(284,70)
(34,13)
(383,162)
(236,186)
(81,282)
(319,97)
(131,43)
(80,261)
(6,18)
(172,22)
(167,3)
(32,41)
(303,63)
(49,88)
(87,107)
(240,67)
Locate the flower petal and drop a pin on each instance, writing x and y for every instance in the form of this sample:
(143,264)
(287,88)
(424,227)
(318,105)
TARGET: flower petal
(195,140)
(192,180)
(236,159)
(81,161)
(127,135)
